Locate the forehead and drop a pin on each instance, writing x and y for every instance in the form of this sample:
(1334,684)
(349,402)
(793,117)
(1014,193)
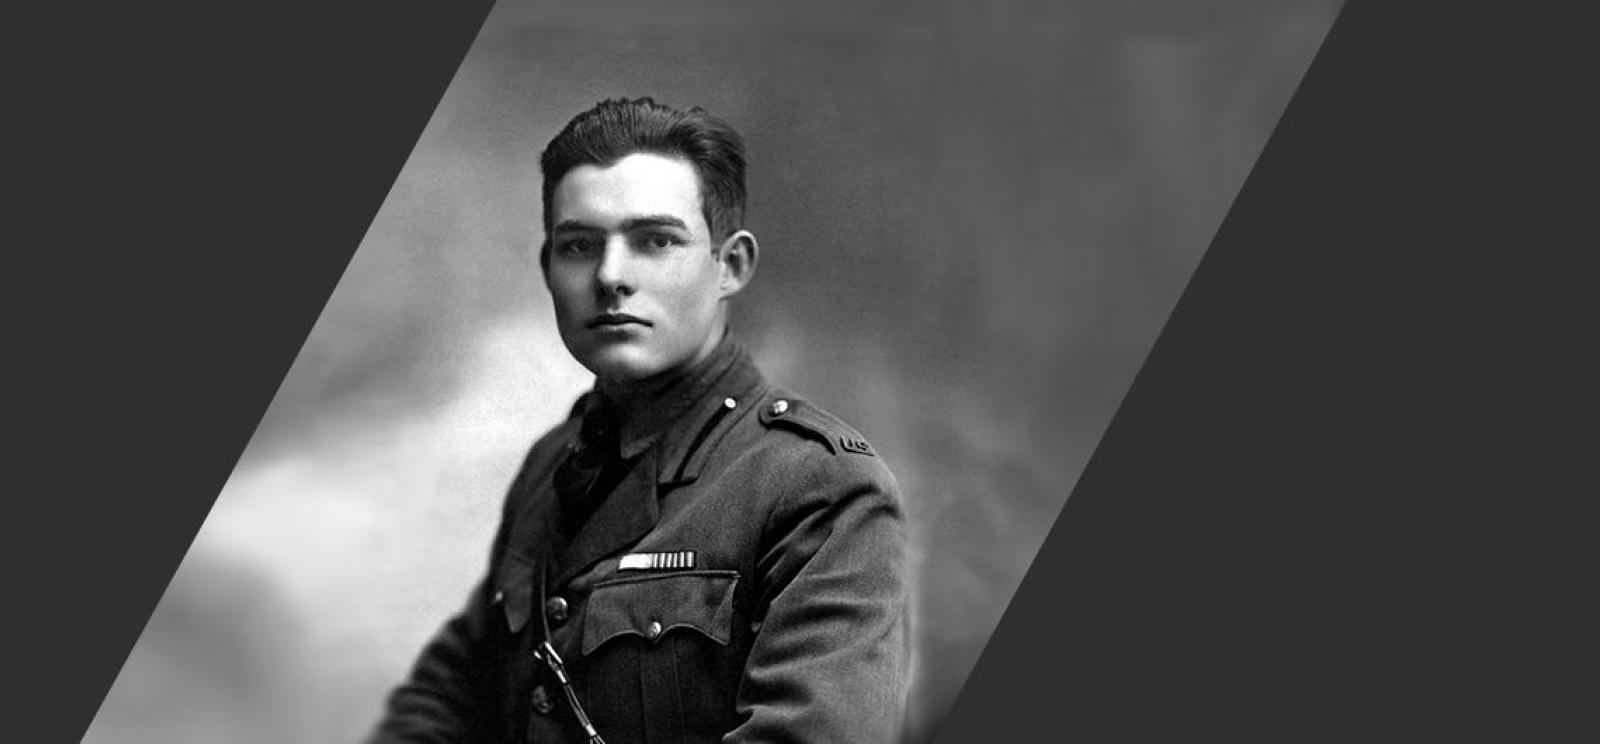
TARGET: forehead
(637,185)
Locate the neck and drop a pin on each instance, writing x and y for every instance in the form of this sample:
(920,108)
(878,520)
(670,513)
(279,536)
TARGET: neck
(628,397)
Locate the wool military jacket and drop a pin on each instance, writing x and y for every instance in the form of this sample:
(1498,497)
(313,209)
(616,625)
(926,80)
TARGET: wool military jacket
(745,581)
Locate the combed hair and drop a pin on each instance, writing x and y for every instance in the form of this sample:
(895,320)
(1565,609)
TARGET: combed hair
(617,128)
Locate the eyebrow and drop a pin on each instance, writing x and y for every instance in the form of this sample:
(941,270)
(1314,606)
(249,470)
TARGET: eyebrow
(629,225)
(654,220)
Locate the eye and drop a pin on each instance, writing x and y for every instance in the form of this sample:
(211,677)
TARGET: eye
(659,241)
(574,246)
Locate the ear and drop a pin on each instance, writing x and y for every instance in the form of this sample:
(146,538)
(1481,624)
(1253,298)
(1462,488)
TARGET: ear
(737,259)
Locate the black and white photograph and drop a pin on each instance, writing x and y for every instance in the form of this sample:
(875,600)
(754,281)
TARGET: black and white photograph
(712,372)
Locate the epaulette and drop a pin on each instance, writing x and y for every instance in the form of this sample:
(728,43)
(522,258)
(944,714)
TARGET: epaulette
(782,410)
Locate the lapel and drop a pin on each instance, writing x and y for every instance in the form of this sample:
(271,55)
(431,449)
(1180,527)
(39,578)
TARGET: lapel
(625,516)
(533,533)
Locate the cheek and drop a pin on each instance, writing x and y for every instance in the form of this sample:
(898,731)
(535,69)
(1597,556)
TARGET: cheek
(566,293)
(688,308)
(694,291)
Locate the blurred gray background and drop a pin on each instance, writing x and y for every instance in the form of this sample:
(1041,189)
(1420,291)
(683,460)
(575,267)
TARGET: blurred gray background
(975,218)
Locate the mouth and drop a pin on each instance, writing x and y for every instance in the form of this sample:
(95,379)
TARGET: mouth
(617,320)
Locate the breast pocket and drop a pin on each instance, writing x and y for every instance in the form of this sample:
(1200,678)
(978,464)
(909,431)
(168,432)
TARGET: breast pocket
(657,656)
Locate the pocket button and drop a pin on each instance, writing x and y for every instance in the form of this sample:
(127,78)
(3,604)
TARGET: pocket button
(653,630)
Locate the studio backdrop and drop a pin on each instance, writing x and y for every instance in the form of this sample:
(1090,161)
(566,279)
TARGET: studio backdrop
(974,219)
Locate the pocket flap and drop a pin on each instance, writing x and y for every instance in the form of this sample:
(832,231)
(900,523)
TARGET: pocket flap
(699,600)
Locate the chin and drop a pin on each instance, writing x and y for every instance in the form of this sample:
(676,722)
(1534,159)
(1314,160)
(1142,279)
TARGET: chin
(622,365)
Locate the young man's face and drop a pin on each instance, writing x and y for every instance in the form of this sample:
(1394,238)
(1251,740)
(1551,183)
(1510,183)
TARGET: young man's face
(636,280)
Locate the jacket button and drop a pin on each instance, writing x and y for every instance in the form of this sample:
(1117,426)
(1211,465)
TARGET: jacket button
(653,630)
(542,702)
(779,406)
(730,403)
(556,610)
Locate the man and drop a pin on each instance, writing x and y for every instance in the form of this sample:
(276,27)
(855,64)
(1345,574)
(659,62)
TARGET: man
(695,555)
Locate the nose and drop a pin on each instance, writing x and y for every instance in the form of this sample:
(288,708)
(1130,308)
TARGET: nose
(613,275)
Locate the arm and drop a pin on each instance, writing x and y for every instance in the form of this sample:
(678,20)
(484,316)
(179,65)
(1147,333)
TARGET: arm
(450,695)
(445,697)
(829,663)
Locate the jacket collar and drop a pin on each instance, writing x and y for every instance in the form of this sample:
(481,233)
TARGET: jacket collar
(646,418)
(732,395)
(678,416)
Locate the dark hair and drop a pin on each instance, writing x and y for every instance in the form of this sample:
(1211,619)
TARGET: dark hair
(617,128)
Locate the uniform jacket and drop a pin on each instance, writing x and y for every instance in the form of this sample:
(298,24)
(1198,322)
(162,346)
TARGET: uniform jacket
(744,582)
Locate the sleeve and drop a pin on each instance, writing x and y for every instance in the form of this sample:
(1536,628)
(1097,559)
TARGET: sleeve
(445,697)
(830,661)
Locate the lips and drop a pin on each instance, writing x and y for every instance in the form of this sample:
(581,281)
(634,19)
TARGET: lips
(614,320)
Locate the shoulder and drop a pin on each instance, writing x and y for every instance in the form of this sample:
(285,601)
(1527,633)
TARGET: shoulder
(784,411)
(816,444)
(560,437)
(554,444)
(829,486)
